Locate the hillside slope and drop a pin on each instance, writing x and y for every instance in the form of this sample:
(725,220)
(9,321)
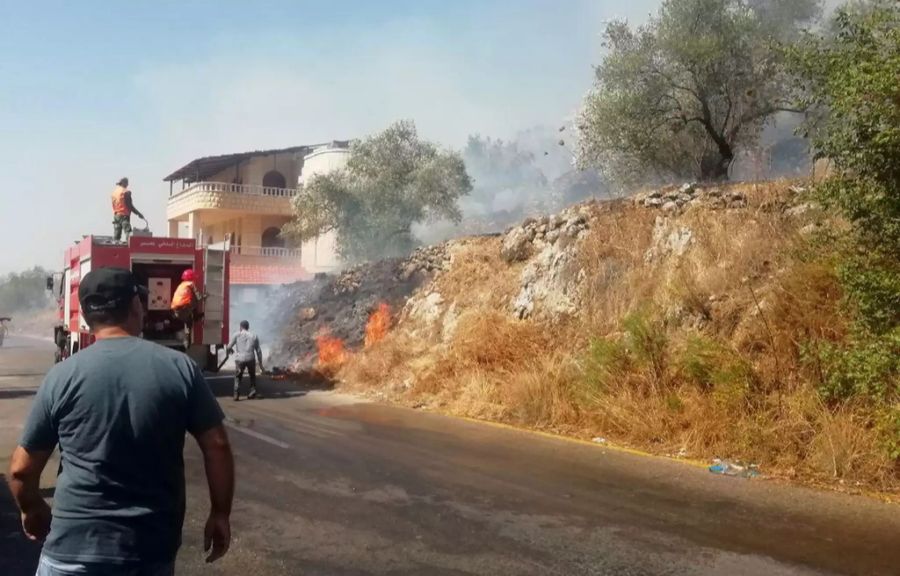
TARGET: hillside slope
(678,321)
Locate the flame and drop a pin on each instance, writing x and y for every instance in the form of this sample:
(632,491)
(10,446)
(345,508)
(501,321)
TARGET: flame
(331,349)
(378,324)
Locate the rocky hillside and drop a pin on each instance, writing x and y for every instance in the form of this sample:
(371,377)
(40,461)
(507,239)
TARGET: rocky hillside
(679,320)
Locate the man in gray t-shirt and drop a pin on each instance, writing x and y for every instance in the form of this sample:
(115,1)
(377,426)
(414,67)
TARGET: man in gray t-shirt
(119,410)
(245,346)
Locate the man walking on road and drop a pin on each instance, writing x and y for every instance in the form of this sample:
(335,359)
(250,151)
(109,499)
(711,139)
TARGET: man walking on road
(119,410)
(245,344)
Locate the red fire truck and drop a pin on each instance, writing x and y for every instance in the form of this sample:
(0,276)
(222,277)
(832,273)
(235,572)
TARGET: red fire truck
(157,263)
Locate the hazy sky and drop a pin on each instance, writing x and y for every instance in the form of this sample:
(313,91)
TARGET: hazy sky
(92,91)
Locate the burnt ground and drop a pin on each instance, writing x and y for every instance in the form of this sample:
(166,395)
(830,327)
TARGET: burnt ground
(341,305)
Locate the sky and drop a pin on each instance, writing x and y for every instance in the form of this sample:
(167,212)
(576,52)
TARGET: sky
(91,91)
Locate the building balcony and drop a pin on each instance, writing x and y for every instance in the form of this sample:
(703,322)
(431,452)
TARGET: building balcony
(265,252)
(257,265)
(244,198)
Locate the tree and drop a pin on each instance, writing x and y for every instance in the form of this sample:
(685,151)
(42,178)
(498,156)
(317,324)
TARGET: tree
(391,180)
(677,97)
(23,292)
(849,82)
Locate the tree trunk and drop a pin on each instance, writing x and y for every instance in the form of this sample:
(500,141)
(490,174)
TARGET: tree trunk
(714,166)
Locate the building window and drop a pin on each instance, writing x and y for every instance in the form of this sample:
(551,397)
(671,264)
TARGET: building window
(271,238)
(274,179)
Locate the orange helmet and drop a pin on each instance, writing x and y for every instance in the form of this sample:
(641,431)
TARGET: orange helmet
(187,275)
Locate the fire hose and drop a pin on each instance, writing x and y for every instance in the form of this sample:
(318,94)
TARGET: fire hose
(228,355)
(224,360)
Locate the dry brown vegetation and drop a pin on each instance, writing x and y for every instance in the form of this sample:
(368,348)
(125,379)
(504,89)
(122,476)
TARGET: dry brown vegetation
(699,355)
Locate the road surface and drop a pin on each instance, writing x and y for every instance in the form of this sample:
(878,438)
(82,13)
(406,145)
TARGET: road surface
(328,485)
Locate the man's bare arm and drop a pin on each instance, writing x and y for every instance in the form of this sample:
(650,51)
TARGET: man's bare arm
(25,485)
(219,464)
(130,204)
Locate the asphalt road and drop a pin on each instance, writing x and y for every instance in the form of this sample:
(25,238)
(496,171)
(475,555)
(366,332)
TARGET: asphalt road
(328,485)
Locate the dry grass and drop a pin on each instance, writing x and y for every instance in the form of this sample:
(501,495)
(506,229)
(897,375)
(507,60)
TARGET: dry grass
(712,366)
(478,277)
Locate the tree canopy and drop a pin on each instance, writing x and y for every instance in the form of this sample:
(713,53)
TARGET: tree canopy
(677,97)
(24,291)
(850,81)
(392,180)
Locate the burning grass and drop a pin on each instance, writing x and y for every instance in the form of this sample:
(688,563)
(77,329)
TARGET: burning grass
(702,354)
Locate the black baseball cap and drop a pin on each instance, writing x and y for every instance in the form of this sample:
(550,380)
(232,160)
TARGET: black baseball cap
(108,289)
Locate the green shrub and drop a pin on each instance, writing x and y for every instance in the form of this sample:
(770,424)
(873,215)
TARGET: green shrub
(606,362)
(889,428)
(872,291)
(647,342)
(866,367)
(709,366)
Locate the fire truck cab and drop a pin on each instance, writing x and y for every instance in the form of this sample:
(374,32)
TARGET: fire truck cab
(157,263)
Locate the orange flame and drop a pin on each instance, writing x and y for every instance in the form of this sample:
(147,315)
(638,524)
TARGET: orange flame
(377,327)
(331,349)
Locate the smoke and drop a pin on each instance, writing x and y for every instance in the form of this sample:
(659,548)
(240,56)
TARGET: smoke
(264,308)
(779,153)
(530,175)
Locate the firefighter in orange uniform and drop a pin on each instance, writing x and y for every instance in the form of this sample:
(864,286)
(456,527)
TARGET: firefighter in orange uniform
(186,304)
(122,210)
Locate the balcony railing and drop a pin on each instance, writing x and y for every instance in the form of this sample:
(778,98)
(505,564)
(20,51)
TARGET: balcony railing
(248,189)
(265,251)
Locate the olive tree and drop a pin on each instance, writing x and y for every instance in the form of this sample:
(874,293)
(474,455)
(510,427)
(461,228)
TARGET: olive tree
(680,95)
(392,180)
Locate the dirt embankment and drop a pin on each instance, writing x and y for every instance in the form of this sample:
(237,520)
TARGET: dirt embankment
(676,321)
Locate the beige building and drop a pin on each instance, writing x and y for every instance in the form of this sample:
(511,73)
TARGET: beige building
(247,197)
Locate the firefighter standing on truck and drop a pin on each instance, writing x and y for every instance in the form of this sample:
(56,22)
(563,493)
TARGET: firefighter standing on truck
(122,210)
(186,304)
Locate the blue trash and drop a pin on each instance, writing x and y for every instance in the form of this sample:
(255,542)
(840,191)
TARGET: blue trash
(728,468)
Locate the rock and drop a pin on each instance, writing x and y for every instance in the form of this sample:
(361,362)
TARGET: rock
(687,188)
(654,194)
(549,284)
(516,246)
(427,309)
(307,314)
(552,236)
(799,209)
(809,229)
(408,271)
(653,202)
(670,207)
(554,222)
(668,241)
(576,220)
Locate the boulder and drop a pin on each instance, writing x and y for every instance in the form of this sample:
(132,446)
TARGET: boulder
(516,245)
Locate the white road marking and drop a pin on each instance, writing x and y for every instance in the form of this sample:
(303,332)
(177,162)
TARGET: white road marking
(257,435)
